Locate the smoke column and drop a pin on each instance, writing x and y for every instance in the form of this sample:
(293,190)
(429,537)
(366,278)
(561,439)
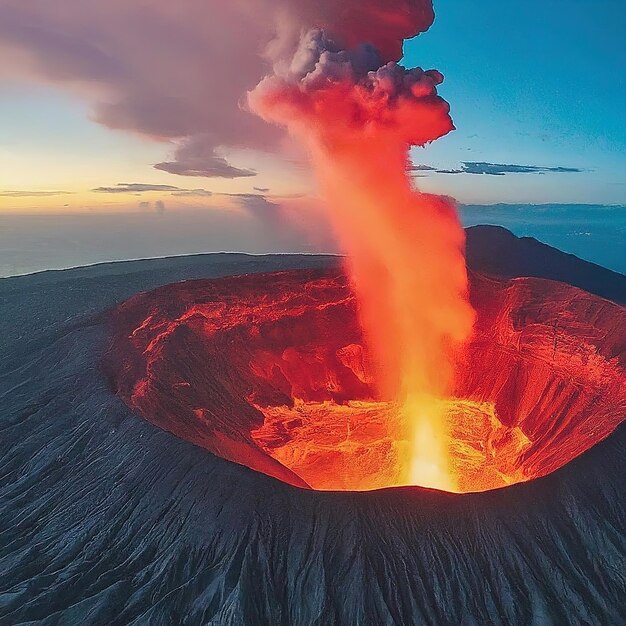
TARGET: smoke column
(358,116)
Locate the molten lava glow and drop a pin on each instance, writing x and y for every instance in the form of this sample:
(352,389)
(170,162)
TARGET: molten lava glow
(354,445)
(404,248)
(271,372)
(429,459)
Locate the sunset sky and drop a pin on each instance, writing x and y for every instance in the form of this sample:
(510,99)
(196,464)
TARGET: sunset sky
(534,84)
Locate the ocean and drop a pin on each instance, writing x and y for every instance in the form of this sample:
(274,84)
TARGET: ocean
(31,243)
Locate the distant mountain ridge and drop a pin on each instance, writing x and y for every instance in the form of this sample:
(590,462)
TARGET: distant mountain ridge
(495,250)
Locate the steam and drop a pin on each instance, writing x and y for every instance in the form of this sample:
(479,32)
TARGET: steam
(358,116)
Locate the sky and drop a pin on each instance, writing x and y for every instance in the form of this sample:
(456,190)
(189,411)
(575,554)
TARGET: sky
(540,82)
(102,104)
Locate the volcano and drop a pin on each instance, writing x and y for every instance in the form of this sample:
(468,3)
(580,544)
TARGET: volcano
(215,451)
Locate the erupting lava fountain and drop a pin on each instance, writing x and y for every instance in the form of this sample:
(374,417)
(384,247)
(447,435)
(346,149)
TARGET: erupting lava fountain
(358,112)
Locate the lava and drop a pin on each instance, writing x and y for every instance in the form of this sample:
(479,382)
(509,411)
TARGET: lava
(273,372)
(358,114)
(352,446)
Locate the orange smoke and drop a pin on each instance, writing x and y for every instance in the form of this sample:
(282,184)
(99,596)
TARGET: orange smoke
(404,248)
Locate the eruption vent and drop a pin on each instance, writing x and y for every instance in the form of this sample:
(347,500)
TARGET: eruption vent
(358,113)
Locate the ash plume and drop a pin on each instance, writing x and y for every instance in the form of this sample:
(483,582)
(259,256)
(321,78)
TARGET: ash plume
(358,113)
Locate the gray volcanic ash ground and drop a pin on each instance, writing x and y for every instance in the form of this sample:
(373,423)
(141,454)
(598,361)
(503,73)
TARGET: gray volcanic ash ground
(108,520)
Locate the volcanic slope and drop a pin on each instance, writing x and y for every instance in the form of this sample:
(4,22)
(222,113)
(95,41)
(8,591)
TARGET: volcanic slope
(106,519)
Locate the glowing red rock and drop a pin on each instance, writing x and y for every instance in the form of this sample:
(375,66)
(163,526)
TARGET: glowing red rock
(270,371)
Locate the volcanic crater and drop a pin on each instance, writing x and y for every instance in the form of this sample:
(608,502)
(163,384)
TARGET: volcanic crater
(271,372)
(109,520)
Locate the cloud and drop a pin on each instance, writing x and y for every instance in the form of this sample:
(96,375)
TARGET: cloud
(158,206)
(196,157)
(421,168)
(196,193)
(496,169)
(139,188)
(135,188)
(261,189)
(177,71)
(255,203)
(215,167)
(33,194)
(268,211)
(272,216)
(343,95)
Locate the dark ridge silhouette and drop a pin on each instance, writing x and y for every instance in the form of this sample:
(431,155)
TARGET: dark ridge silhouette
(495,250)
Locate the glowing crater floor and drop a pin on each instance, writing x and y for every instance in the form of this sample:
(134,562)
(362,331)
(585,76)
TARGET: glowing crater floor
(271,372)
(352,446)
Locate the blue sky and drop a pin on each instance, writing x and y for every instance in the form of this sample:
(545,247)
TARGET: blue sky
(531,83)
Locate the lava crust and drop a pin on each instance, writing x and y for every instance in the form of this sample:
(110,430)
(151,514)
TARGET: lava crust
(271,372)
